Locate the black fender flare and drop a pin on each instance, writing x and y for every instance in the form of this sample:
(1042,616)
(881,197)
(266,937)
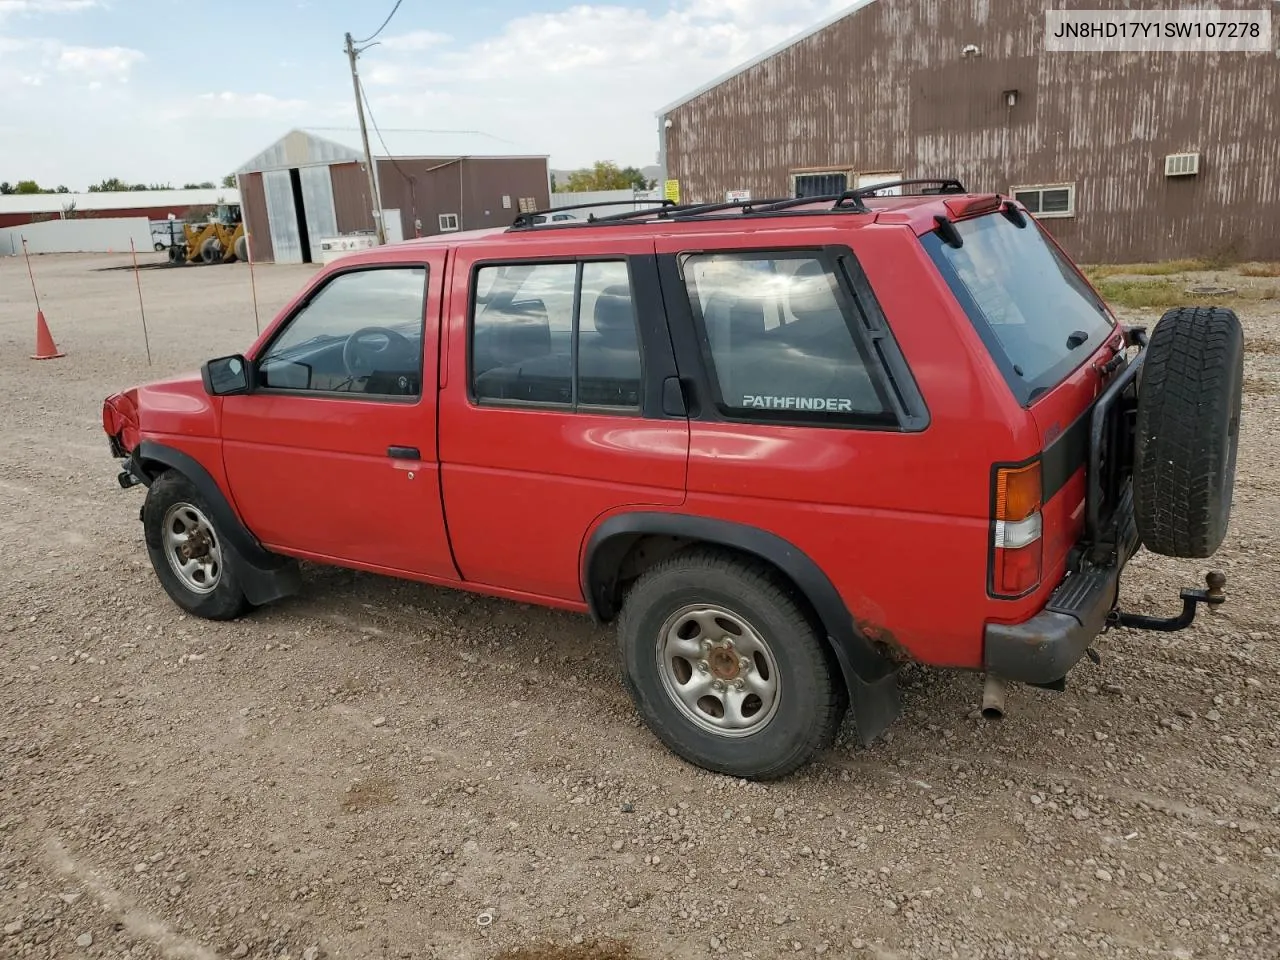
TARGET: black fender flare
(859,658)
(268,576)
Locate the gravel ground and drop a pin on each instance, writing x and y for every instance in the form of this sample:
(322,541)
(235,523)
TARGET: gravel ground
(381,769)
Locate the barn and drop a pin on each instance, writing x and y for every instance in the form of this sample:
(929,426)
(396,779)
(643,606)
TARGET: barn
(312,185)
(1124,156)
(18,209)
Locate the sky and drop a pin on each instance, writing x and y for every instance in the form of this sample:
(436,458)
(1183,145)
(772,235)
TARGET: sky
(175,91)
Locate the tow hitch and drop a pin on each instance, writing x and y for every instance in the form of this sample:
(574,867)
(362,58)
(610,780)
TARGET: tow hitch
(1215,595)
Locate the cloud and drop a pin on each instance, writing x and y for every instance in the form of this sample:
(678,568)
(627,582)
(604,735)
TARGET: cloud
(36,7)
(254,106)
(98,63)
(583,82)
(416,40)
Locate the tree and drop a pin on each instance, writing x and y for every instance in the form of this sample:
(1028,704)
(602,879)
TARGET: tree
(114,184)
(6,188)
(605,175)
(553,183)
(229,181)
(62,188)
(27,186)
(637,179)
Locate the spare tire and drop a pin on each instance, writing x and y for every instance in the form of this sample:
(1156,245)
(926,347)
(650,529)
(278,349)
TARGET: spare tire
(1187,431)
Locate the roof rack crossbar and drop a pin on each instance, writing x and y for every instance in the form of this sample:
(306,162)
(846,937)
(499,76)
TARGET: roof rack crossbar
(854,198)
(668,208)
(526,219)
(747,207)
(795,202)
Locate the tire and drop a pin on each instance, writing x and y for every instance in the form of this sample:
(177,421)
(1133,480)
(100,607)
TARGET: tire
(1188,430)
(741,601)
(242,248)
(210,250)
(173,503)
(159,247)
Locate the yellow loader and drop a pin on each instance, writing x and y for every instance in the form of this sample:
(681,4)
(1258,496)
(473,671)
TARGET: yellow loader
(221,239)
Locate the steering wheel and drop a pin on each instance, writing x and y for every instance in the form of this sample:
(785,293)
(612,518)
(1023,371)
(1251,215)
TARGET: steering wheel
(360,358)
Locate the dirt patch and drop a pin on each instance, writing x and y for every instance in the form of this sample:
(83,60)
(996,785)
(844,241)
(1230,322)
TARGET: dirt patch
(196,774)
(369,795)
(1262,346)
(608,950)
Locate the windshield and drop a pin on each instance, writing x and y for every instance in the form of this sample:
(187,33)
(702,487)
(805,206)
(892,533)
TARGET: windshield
(1038,318)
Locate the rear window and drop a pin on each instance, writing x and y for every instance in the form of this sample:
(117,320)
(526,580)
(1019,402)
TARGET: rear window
(1035,314)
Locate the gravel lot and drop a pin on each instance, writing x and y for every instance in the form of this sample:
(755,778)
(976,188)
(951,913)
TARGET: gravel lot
(381,769)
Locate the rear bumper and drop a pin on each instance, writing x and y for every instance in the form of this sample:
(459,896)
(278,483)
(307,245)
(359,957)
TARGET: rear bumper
(1043,650)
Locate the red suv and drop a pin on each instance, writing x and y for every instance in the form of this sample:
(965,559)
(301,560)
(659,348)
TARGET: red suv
(787,445)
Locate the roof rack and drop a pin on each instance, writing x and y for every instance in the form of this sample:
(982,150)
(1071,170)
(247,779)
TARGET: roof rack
(850,201)
(854,198)
(679,211)
(526,219)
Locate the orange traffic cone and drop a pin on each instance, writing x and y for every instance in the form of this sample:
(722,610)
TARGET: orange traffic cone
(46,349)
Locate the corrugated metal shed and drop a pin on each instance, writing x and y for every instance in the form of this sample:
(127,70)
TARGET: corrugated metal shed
(312,183)
(297,148)
(330,145)
(923,88)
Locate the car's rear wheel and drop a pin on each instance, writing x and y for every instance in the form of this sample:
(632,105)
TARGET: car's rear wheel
(726,669)
(193,563)
(1188,429)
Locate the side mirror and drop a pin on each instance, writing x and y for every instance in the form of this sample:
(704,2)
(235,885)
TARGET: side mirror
(226,376)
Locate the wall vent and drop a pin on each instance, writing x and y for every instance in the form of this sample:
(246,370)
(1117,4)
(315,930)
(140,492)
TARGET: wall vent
(1182,164)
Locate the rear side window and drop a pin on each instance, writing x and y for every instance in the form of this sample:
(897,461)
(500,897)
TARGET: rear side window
(561,334)
(1036,316)
(779,340)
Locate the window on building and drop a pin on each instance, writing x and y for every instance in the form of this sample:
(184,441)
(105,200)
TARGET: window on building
(1055,200)
(448,222)
(820,184)
(360,334)
(779,340)
(528,319)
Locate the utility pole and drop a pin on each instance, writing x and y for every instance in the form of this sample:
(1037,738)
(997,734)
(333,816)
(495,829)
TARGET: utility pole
(364,136)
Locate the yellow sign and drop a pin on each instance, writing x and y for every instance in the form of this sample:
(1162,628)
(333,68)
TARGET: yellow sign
(671,190)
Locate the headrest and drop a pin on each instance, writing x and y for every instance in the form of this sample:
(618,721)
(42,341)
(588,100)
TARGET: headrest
(614,317)
(810,291)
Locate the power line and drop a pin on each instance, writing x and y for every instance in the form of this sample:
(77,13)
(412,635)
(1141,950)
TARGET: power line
(384,23)
(412,181)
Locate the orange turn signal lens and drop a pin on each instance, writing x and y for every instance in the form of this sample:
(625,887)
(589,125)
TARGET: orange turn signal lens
(1018,492)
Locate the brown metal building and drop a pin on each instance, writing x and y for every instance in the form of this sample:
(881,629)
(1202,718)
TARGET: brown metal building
(311,186)
(1126,156)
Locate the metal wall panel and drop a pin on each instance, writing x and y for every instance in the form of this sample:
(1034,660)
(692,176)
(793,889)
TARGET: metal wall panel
(351,201)
(282,216)
(472,187)
(890,87)
(317,204)
(253,208)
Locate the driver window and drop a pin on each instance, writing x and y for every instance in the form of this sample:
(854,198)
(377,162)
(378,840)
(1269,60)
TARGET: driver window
(360,334)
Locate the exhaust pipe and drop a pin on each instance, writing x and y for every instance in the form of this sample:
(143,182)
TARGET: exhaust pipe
(993,698)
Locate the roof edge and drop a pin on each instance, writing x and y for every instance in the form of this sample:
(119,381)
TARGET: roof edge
(762,57)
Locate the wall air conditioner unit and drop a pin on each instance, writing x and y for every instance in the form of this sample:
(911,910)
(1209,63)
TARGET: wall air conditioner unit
(1182,164)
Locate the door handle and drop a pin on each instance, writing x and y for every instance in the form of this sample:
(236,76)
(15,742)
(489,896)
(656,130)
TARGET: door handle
(404,453)
(673,398)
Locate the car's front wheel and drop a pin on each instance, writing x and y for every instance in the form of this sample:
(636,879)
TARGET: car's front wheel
(726,668)
(193,563)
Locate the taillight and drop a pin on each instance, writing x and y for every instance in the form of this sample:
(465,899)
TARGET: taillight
(1017,531)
